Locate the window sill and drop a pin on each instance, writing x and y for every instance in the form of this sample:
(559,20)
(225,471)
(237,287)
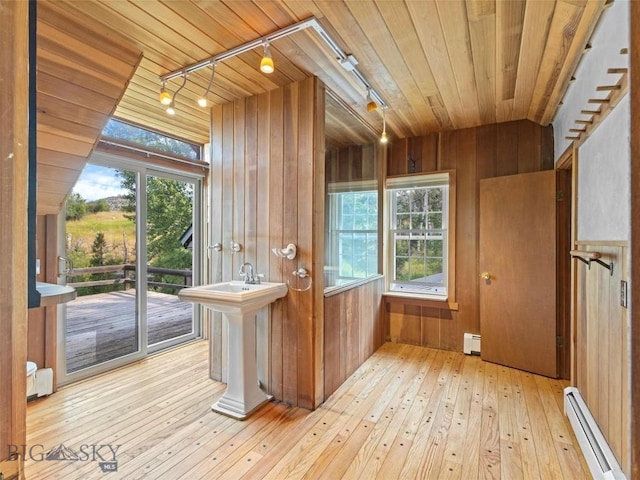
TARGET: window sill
(421,300)
(330,291)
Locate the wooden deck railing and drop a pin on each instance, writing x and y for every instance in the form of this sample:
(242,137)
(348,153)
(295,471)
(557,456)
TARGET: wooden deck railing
(123,276)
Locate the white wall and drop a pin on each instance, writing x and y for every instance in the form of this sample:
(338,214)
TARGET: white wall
(603,179)
(604,158)
(609,37)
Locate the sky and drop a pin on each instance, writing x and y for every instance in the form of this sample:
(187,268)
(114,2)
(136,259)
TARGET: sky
(97,182)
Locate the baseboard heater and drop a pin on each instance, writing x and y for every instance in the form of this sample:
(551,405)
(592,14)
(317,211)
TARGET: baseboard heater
(471,344)
(601,460)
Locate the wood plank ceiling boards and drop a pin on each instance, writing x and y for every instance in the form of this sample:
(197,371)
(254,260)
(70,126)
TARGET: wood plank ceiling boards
(439,65)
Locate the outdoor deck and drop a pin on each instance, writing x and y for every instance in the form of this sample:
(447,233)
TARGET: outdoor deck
(101,327)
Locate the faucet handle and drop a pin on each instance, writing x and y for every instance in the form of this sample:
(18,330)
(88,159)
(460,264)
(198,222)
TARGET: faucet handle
(258,276)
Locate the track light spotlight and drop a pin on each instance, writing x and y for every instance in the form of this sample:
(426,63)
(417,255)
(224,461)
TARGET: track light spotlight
(383,137)
(165,97)
(266,64)
(171,109)
(202,101)
(371,105)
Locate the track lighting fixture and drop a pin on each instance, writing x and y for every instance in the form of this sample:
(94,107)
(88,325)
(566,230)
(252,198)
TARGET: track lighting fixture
(171,109)
(383,137)
(202,101)
(165,97)
(266,64)
(371,105)
(346,60)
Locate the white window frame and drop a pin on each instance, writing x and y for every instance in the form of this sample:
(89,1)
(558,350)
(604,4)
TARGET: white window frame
(437,179)
(335,191)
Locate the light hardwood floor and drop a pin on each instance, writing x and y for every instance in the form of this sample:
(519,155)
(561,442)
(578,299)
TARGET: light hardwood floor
(408,412)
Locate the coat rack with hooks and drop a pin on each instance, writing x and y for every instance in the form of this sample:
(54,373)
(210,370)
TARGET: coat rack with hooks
(588,257)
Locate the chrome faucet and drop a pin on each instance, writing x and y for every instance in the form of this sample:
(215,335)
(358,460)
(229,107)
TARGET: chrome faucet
(246,272)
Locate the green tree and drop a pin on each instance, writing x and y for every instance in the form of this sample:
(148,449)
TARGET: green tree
(98,250)
(98,206)
(76,207)
(169,215)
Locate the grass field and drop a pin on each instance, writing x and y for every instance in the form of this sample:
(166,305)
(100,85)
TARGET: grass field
(118,231)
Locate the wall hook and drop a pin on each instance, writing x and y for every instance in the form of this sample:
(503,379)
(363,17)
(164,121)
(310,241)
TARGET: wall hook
(287,252)
(588,257)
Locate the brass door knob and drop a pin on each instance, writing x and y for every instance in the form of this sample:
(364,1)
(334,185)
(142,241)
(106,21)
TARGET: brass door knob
(486,276)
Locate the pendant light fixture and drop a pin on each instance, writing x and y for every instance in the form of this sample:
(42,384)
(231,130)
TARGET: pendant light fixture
(202,101)
(383,137)
(266,64)
(165,97)
(171,109)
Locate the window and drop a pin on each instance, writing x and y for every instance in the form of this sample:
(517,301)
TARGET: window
(418,228)
(151,140)
(353,234)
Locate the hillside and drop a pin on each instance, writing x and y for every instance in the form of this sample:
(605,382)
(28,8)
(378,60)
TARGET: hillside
(119,233)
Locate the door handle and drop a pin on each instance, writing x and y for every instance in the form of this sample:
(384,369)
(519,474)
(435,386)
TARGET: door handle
(485,276)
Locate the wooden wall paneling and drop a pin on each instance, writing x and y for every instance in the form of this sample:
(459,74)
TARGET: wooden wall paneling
(507,148)
(370,168)
(628,447)
(529,147)
(398,153)
(265,158)
(49,263)
(615,361)
(564,267)
(405,323)
(467,243)
(487,151)
(240,134)
(332,348)
(546,149)
(306,182)
(14,81)
(634,293)
(602,336)
(263,243)
(471,155)
(249,204)
(276,219)
(216,236)
(319,214)
(430,326)
(356,162)
(353,330)
(290,231)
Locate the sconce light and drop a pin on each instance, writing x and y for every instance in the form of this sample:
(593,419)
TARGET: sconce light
(371,105)
(383,137)
(171,109)
(266,64)
(202,101)
(165,97)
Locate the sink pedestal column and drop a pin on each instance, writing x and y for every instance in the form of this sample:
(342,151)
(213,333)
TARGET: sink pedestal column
(243,395)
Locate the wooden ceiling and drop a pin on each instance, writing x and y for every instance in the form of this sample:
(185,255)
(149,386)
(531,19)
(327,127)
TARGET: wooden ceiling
(81,76)
(439,65)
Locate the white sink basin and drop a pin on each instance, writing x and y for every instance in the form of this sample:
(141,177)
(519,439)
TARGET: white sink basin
(235,296)
(238,302)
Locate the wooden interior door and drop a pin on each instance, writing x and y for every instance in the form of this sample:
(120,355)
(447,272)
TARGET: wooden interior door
(518,255)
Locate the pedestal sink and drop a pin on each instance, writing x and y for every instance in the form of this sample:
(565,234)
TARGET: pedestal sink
(239,302)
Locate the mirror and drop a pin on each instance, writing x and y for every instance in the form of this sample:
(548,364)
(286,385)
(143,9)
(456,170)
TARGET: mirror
(352,196)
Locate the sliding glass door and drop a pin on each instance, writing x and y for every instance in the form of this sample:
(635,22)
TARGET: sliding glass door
(170,262)
(130,237)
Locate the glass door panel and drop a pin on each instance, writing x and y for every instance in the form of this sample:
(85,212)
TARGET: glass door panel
(170,260)
(102,325)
